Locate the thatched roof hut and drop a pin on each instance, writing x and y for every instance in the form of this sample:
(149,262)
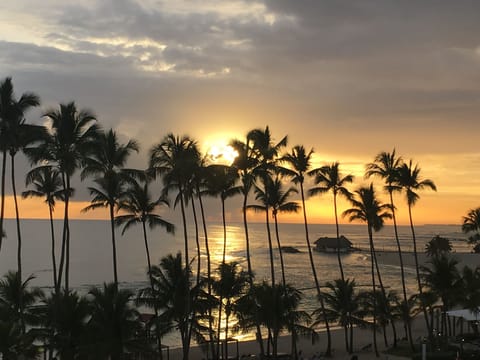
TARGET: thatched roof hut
(327,244)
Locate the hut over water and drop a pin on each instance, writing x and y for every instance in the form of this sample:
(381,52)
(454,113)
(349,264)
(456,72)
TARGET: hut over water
(327,244)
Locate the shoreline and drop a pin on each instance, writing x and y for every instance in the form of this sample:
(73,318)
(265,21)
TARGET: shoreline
(362,345)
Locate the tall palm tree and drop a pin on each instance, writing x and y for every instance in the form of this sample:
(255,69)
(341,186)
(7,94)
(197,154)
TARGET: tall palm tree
(366,208)
(106,163)
(72,137)
(47,183)
(138,207)
(410,181)
(175,158)
(300,163)
(14,132)
(221,180)
(329,178)
(15,135)
(386,166)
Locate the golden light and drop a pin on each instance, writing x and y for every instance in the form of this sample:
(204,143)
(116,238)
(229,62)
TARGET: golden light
(221,153)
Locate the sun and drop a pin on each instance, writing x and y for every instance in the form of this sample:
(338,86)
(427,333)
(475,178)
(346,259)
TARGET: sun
(221,153)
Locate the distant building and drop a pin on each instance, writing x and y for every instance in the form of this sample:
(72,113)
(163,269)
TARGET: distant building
(326,244)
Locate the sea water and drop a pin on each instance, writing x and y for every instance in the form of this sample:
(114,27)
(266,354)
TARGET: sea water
(91,252)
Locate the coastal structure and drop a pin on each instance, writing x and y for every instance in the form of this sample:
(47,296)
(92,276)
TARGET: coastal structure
(330,245)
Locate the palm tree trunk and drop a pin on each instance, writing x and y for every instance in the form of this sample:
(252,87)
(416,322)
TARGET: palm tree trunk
(328,352)
(197,240)
(372,256)
(17,220)
(67,248)
(209,272)
(406,322)
(270,246)
(155,308)
(338,237)
(250,271)
(279,249)
(224,223)
(114,246)
(419,283)
(54,261)
(2,206)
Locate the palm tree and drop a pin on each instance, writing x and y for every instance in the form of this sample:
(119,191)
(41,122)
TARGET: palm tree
(437,246)
(15,135)
(442,278)
(72,137)
(17,299)
(343,305)
(114,324)
(366,208)
(47,183)
(174,299)
(410,181)
(470,289)
(65,316)
(471,224)
(107,164)
(329,178)
(14,132)
(221,180)
(300,163)
(229,286)
(139,208)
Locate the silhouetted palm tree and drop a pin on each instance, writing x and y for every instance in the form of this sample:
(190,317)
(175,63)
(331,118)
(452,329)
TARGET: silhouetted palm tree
(229,286)
(329,178)
(343,304)
(72,137)
(47,183)
(106,163)
(15,135)
(114,326)
(221,180)
(174,299)
(471,224)
(470,289)
(139,208)
(410,181)
(437,246)
(442,278)
(366,208)
(300,162)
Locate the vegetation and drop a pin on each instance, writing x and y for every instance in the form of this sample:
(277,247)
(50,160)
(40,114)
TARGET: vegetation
(105,323)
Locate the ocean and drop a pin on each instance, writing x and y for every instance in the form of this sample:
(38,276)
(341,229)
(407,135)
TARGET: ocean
(91,252)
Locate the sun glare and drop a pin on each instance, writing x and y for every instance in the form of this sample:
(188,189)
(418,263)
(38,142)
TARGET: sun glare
(221,153)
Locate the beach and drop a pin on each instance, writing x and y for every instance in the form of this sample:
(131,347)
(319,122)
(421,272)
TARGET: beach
(362,345)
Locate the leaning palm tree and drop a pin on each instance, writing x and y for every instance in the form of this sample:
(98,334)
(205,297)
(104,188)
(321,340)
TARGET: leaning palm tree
(300,164)
(386,166)
(366,208)
(329,178)
(72,137)
(410,181)
(47,183)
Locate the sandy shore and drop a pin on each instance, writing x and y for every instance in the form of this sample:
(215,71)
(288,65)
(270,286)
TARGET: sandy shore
(392,258)
(362,340)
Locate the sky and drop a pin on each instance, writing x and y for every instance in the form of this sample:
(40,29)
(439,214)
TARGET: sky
(347,78)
